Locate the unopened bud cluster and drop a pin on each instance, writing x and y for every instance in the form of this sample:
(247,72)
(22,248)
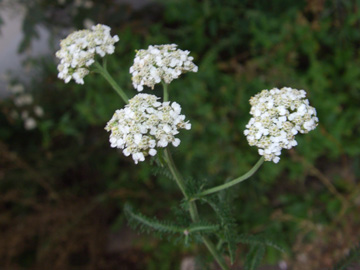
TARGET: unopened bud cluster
(278,115)
(78,51)
(144,124)
(160,63)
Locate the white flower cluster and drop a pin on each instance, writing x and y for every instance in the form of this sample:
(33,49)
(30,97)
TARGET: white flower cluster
(146,123)
(78,51)
(25,109)
(160,63)
(278,115)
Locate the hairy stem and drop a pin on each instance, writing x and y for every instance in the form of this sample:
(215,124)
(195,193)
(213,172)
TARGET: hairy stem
(235,181)
(175,172)
(103,71)
(192,205)
(193,209)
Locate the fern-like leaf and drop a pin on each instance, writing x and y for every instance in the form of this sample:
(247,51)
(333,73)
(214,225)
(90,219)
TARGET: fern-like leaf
(153,224)
(227,223)
(254,257)
(158,170)
(148,224)
(194,186)
(352,257)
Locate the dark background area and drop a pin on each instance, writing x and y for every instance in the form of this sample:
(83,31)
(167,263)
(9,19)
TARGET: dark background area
(63,188)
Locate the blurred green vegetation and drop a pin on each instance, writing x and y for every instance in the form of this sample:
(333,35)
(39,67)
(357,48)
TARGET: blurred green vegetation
(241,47)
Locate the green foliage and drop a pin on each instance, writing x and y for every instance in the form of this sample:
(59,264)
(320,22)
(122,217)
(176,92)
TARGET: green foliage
(153,224)
(149,224)
(228,225)
(254,257)
(159,166)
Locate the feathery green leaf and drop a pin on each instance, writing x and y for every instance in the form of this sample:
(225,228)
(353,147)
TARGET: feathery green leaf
(227,223)
(254,257)
(148,224)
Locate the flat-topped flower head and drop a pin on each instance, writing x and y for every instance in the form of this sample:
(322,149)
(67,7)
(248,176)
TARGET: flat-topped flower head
(160,63)
(278,115)
(145,124)
(78,50)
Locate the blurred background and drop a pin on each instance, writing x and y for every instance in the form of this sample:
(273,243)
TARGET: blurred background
(63,188)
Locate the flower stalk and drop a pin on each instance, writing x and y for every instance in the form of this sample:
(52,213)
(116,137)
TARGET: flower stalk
(235,181)
(103,71)
(194,214)
(193,209)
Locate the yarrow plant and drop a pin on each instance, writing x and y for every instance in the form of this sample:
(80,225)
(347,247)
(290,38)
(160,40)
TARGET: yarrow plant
(160,63)
(278,115)
(147,125)
(144,124)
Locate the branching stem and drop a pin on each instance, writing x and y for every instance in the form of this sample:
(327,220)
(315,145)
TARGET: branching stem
(103,71)
(235,181)
(192,204)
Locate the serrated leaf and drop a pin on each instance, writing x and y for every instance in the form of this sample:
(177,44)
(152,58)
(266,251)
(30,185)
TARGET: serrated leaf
(148,224)
(227,223)
(254,257)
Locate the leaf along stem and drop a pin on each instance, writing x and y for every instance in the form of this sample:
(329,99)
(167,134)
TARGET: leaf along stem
(157,225)
(193,209)
(192,204)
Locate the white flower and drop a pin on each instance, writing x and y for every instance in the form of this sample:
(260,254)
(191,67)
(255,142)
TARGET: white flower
(16,89)
(78,51)
(278,115)
(88,23)
(38,111)
(23,99)
(160,63)
(145,124)
(30,123)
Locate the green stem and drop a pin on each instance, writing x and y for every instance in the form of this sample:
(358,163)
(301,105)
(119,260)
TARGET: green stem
(219,244)
(210,246)
(103,71)
(235,181)
(204,228)
(175,172)
(194,214)
(193,209)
